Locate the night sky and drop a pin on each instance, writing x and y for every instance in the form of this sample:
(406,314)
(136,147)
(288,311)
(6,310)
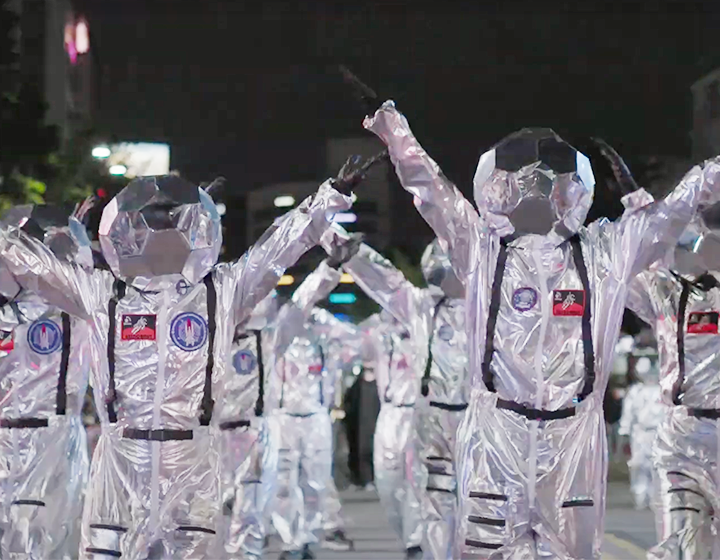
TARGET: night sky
(250,91)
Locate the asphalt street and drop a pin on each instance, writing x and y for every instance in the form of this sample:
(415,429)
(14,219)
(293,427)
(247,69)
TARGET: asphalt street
(628,533)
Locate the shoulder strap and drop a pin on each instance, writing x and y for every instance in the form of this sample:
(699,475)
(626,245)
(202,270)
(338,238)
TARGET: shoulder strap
(588,349)
(61,402)
(322,368)
(682,308)
(207,401)
(425,388)
(487,374)
(119,288)
(390,362)
(260,403)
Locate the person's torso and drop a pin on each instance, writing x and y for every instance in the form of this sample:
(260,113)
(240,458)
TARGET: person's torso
(449,368)
(701,383)
(539,354)
(161,355)
(40,373)
(241,385)
(402,385)
(299,384)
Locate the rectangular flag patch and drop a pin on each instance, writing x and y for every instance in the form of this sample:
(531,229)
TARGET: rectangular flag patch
(139,327)
(7,341)
(568,303)
(703,322)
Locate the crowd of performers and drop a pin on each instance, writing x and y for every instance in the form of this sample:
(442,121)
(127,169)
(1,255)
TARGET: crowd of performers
(214,399)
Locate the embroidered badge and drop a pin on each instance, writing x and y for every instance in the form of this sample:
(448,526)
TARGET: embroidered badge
(7,341)
(568,303)
(244,362)
(138,327)
(188,331)
(445,332)
(703,323)
(524,299)
(44,337)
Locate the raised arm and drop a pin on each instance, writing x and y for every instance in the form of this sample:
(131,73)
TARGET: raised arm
(378,278)
(36,268)
(446,210)
(293,234)
(294,314)
(644,235)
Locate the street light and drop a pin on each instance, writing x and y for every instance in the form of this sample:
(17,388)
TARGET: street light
(345,218)
(284,201)
(286,280)
(346,279)
(221,208)
(118,169)
(101,152)
(344,297)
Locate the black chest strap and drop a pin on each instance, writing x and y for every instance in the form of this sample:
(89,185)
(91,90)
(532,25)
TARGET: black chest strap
(390,365)
(61,400)
(260,403)
(207,404)
(119,289)
(705,283)
(586,323)
(425,387)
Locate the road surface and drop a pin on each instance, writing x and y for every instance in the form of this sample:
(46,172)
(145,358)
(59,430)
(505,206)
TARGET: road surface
(628,533)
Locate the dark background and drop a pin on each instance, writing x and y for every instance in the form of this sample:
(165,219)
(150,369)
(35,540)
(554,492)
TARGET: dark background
(249,89)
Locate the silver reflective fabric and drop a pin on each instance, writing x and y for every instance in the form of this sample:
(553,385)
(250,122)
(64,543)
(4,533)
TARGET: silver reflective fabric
(642,413)
(151,498)
(685,453)
(161,229)
(426,313)
(397,467)
(249,460)
(299,394)
(44,468)
(527,487)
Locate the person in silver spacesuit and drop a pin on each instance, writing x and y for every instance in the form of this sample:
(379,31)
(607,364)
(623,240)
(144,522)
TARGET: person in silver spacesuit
(161,326)
(642,412)
(298,396)
(545,297)
(435,319)
(248,457)
(44,366)
(679,297)
(396,465)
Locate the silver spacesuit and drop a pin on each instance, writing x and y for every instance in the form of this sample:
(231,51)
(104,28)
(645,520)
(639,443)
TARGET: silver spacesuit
(545,299)
(397,467)
(435,319)
(44,367)
(680,299)
(249,460)
(297,401)
(161,328)
(642,413)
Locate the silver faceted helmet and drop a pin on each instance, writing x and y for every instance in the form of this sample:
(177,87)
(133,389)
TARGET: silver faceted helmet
(56,227)
(534,182)
(160,229)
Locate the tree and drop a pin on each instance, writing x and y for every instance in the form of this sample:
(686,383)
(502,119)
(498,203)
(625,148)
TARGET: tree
(27,142)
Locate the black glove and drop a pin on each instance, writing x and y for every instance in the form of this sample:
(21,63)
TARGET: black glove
(620,170)
(364,93)
(352,172)
(340,254)
(214,188)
